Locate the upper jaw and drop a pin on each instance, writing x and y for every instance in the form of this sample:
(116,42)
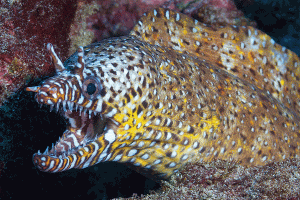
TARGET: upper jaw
(84,127)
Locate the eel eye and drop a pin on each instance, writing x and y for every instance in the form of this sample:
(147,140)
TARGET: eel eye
(91,87)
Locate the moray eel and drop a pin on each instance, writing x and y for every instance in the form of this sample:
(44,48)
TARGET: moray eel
(172,92)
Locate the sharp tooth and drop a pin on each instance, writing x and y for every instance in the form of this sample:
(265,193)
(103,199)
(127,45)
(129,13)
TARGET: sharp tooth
(80,110)
(52,146)
(76,107)
(39,152)
(70,104)
(95,113)
(90,112)
(64,106)
(46,151)
(57,105)
(51,108)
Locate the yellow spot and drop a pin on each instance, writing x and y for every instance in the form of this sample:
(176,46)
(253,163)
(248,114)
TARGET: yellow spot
(250,57)
(180,43)
(282,82)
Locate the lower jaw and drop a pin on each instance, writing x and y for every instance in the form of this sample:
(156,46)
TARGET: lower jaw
(83,157)
(77,156)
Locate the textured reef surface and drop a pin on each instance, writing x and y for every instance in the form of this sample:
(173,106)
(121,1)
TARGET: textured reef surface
(26,127)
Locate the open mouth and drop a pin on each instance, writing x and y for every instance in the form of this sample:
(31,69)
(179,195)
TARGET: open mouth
(84,127)
(78,144)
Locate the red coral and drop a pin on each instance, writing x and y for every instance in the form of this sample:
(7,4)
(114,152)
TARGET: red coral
(28,26)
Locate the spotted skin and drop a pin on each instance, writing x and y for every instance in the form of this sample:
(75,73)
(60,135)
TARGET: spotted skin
(157,108)
(243,51)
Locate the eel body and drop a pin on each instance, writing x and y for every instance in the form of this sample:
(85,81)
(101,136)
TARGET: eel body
(173,92)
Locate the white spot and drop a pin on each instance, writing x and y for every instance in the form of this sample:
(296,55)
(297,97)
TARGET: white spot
(180,125)
(173,154)
(166,146)
(132,152)
(169,135)
(118,157)
(49,102)
(156,162)
(110,136)
(141,144)
(177,17)
(136,137)
(154,12)
(185,142)
(80,100)
(126,127)
(240,150)
(215,153)
(195,145)
(264,158)
(157,122)
(145,156)
(184,157)
(222,150)
(242,45)
(264,60)
(172,164)
(158,135)
(148,113)
(152,144)
(167,14)
(148,123)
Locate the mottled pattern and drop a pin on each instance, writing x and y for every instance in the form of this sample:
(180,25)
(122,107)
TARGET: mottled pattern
(243,51)
(159,108)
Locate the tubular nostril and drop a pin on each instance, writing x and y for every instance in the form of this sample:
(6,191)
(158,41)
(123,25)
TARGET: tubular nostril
(53,90)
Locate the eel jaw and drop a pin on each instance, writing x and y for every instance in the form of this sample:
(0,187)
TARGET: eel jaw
(85,127)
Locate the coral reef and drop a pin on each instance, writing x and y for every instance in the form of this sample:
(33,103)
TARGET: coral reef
(229,180)
(27,26)
(25,29)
